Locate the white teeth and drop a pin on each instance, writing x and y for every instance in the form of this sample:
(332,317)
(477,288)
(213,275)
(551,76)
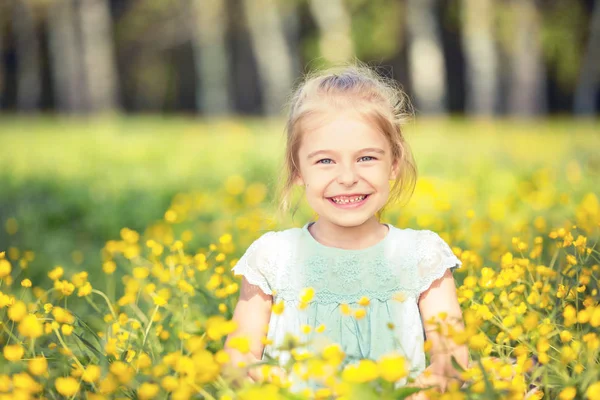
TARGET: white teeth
(346,200)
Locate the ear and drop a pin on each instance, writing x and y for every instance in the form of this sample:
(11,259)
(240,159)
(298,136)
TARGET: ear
(394,170)
(298,180)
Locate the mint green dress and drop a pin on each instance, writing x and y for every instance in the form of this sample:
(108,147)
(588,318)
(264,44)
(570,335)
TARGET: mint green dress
(392,274)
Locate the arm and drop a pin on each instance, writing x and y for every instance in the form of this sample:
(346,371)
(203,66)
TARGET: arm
(252,314)
(441,297)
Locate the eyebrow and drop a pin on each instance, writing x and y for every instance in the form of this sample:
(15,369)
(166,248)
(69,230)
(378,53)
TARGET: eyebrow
(365,150)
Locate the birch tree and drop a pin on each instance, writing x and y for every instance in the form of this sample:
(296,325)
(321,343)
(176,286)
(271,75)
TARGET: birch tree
(68,79)
(334,23)
(425,57)
(589,77)
(272,52)
(527,77)
(27,48)
(481,57)
(98,55)
(207,20)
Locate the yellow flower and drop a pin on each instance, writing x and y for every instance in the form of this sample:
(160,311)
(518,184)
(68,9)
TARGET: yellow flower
(123,372)
(307,294)
(109,267)
(566,336)
(320,328)
(13,352)
(217,327)
(169,383)
(38,366)
(240,343)
(56,273)
(478,342)
(364,301)
(67,386)
(91,374)
(24,382)
(48,307)
(144,361)
(345,309)
(278,307)
(148,390)
(67,330)
(84,290)
(62,316)
(333,354)
(31,327)
(159,301)
(17,311)
(568,393)
(360,313)
(593,391)
(392,367)
(364,371)
(5,268)
(26,283)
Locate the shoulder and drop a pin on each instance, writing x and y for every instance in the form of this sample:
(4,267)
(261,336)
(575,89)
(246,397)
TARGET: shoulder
(424,245)
(273,243)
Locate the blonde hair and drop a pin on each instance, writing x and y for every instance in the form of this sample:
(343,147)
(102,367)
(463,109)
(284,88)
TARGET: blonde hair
(377,99)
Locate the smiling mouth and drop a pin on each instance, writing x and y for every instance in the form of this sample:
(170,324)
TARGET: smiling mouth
(348,199)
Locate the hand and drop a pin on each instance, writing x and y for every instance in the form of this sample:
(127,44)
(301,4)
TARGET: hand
(426,380)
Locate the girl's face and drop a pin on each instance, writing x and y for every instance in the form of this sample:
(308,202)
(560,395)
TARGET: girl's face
(346,165)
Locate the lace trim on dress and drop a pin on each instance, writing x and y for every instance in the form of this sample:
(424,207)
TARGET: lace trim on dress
(435,257)
(255,264)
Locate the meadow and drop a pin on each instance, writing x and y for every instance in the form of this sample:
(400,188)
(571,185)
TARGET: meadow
(117,237)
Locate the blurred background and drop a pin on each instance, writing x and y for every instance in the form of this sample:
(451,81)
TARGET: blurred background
(215,57)
(143,114)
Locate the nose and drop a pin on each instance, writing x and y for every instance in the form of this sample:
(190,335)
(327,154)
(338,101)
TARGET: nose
(347,175)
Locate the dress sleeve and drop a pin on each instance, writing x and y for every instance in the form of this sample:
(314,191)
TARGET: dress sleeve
(433,259)
(256,265)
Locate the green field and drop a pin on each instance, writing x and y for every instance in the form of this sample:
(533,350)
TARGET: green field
(151,212)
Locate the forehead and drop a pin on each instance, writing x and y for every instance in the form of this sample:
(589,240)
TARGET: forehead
(341,132)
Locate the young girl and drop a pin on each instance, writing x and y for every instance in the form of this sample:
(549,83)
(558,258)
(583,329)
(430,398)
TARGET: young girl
(374,284)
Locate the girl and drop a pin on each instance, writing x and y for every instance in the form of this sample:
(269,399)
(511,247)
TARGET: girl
(375,285)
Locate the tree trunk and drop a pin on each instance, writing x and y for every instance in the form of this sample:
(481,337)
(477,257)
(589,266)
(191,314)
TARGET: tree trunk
(425,57)
(3,9)
(589,77)
(68,80)
(527,90)
(481,57)
(98,55)
(272,53)
(211,62)
(334,22)
(27,46)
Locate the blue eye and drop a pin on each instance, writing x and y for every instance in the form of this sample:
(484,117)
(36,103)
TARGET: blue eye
(325,161)
(368,158)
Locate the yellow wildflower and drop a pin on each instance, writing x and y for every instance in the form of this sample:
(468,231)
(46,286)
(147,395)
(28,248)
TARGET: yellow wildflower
(38,365)
(56,273)
(392,367)
(365,371)
(31,327)
(148,390)
(68,386)
(84,290)
(5,268)
(13,352)
(307,294)
(593,391)
(17,311)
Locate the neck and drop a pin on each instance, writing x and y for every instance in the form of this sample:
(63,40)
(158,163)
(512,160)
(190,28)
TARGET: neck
(361,236)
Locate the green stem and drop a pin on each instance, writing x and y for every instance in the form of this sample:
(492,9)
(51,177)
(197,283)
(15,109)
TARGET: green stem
(149,325)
